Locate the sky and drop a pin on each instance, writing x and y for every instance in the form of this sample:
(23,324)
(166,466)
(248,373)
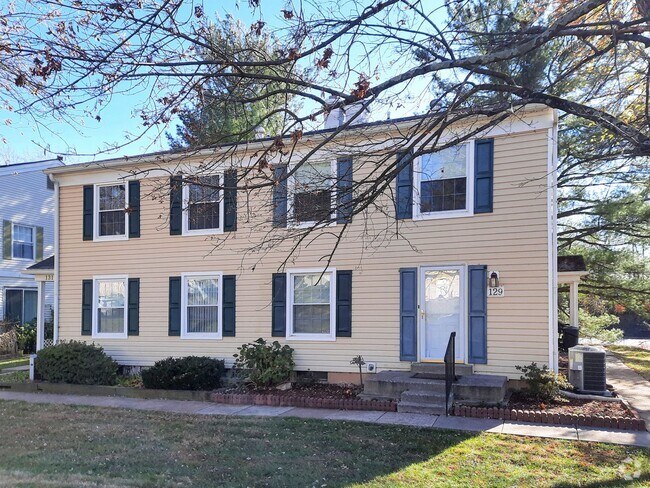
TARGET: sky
(22,139)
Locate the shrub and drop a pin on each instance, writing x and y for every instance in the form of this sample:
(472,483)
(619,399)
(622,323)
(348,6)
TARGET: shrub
(130,381)
(542,383)
(26,337)
(187,373)
(265,364)
(8,342)
(77,363)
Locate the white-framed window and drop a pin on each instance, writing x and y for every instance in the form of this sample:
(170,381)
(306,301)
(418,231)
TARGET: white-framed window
(444,183)
(201,298)
(203,209)
(111,218)
(110,307)
(21,305)
(311,304)
(23,242)
(312,193)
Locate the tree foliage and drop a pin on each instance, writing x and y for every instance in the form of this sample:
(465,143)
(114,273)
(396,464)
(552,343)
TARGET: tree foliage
(225,109)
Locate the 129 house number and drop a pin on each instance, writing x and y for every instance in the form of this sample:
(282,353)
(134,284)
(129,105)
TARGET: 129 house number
(497,291)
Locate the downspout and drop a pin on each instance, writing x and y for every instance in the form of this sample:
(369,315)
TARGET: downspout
(552,244)
(56,260)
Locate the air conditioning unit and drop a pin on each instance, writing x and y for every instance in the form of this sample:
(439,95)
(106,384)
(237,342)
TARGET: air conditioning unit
(587,369)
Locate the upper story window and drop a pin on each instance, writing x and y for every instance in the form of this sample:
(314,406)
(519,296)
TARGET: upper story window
(22,242)
(201,306)
(312,193)
(111,218)
(203,206)
(311,297)
(443,182)
(110,312)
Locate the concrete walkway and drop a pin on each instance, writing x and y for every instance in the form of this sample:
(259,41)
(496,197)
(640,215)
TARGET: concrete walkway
(640,343)
(14,369)
(630,385)
(630,438)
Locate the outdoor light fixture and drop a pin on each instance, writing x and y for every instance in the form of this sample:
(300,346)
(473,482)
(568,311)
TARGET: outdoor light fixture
(494,279)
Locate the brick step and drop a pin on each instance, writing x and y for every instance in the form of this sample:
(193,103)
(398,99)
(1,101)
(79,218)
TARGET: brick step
(423,396)
(417,407)
(390,384)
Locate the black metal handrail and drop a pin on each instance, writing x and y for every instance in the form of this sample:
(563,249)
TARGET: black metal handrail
(450,368)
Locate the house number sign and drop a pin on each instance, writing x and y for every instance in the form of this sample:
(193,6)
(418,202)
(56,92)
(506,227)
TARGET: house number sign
(496,291)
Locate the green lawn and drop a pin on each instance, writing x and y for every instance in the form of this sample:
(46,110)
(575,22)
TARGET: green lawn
(57,445)
(12,363)
(15,377)
(635,358)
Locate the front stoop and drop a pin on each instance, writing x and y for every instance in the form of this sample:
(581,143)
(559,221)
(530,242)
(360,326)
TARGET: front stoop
(426,393)
(423,401)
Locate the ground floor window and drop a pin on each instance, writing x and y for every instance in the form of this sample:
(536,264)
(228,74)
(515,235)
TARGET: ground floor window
(21,305)
(110,307)
(311,304)
(201,306)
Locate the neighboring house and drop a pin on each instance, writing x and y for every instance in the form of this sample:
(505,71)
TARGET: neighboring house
(27,215)
(150,282)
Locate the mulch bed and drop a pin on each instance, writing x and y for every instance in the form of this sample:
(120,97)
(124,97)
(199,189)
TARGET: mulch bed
(564,411)
(572,406)
(317,395)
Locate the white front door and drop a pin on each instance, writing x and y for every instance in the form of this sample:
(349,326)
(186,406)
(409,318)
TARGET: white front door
(442,305)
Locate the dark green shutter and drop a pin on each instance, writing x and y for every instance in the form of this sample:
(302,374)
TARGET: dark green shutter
(344,304)
(87,307)
(7,253)
(280,196)
(38,256)
(133,313)
(134,209)
(279,305)
(175,306)
(344,191)
(228,306)
(230,200)
(408,314)
(483,175)
(176,205)
(477,311)
(88,212)
(404,186)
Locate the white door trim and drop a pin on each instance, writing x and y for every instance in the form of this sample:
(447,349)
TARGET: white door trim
(461,337)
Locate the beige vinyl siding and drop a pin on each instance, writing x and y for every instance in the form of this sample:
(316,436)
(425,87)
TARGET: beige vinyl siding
(513,240)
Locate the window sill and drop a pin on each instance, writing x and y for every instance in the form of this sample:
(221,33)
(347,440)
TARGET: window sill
(202,232)
(448,214)
(97,335)
(309,225)
(111,238)
(312,337)
(198,336)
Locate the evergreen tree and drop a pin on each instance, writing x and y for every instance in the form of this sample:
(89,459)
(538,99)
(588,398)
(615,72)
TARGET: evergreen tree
(229,109)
